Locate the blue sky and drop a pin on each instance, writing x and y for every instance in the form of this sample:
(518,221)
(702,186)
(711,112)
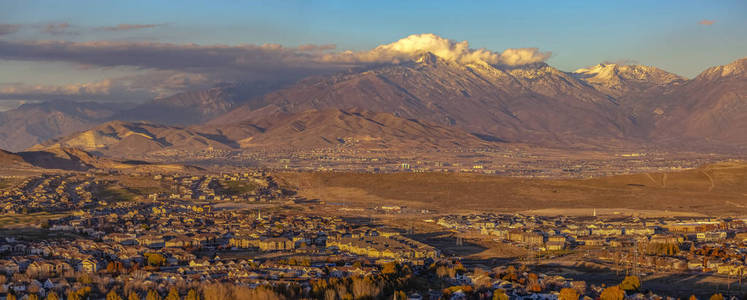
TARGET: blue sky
(667,34)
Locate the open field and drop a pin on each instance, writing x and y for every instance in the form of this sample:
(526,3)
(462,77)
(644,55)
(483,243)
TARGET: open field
(27,220)
(680,285)
(719,189)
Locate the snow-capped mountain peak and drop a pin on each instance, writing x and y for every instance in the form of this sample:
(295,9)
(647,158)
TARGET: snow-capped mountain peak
(617,79)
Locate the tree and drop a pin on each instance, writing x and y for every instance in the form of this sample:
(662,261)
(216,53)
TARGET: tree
(85,279)
(389,268)
(112,295)
(133,296)
(10,296)
(152,295)
(73,295)
(52,296)
(568,294)
(32,297)
(717,297)
(534,284)
(692,297)
(192,295)
(330,294)
(173,294)
(612,293)
(500,294)
(156,259)
(630,283)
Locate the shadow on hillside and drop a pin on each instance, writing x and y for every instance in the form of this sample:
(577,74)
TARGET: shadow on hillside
(446,242)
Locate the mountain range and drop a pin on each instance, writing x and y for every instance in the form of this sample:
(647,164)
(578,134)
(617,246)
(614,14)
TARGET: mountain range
(426,103)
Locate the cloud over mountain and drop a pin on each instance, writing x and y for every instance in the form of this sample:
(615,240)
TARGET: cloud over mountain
(257,58)
(416,44)
(170,68)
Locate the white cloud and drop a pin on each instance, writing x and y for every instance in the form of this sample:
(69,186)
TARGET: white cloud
(417,44)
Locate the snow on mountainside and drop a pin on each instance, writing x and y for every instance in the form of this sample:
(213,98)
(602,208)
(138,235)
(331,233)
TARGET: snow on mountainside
(527,103)
(618,80)
(735,69)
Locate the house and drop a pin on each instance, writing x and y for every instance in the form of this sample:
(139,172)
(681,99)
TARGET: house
(40,268)
(243,242)
(9,267)
(151,241)
(276,244)
(555,245)
(89,265)
(180,242)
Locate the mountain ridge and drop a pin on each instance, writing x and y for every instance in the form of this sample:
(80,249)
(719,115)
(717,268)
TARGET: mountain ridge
(599,107)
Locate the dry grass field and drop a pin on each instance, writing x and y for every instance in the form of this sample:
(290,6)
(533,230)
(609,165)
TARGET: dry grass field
(718,189)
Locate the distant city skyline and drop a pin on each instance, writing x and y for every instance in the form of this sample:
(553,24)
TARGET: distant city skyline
(136,50)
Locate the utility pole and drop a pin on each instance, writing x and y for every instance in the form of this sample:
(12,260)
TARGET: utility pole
(741,274)
(635,258)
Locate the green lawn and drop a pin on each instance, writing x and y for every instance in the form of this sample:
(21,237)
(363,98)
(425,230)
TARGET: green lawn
(113,193)
(234,188)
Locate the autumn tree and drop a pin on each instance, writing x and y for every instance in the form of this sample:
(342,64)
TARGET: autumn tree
(72,295)
(389,268)
(364,287)
(330,294)
(717,297)
(630,283)
(500,294)
(152,295)
(534,284)
(32,297)
(85,279)
(10,296)
(52,296)
(112,295)
(133,296)
(216,291)
(568,294)
(192,295)
(156,259)
(612,293)
(173,294)
(510,274)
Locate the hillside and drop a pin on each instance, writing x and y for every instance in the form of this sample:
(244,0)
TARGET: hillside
(534,103)
(274,131)
(131,139)
(719,189)
(34,123)
(195,107)
(70,159)
(364,129)
(710,109)
(12,161)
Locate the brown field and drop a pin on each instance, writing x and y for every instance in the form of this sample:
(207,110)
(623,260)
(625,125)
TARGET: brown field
(27,220)
(719,189)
